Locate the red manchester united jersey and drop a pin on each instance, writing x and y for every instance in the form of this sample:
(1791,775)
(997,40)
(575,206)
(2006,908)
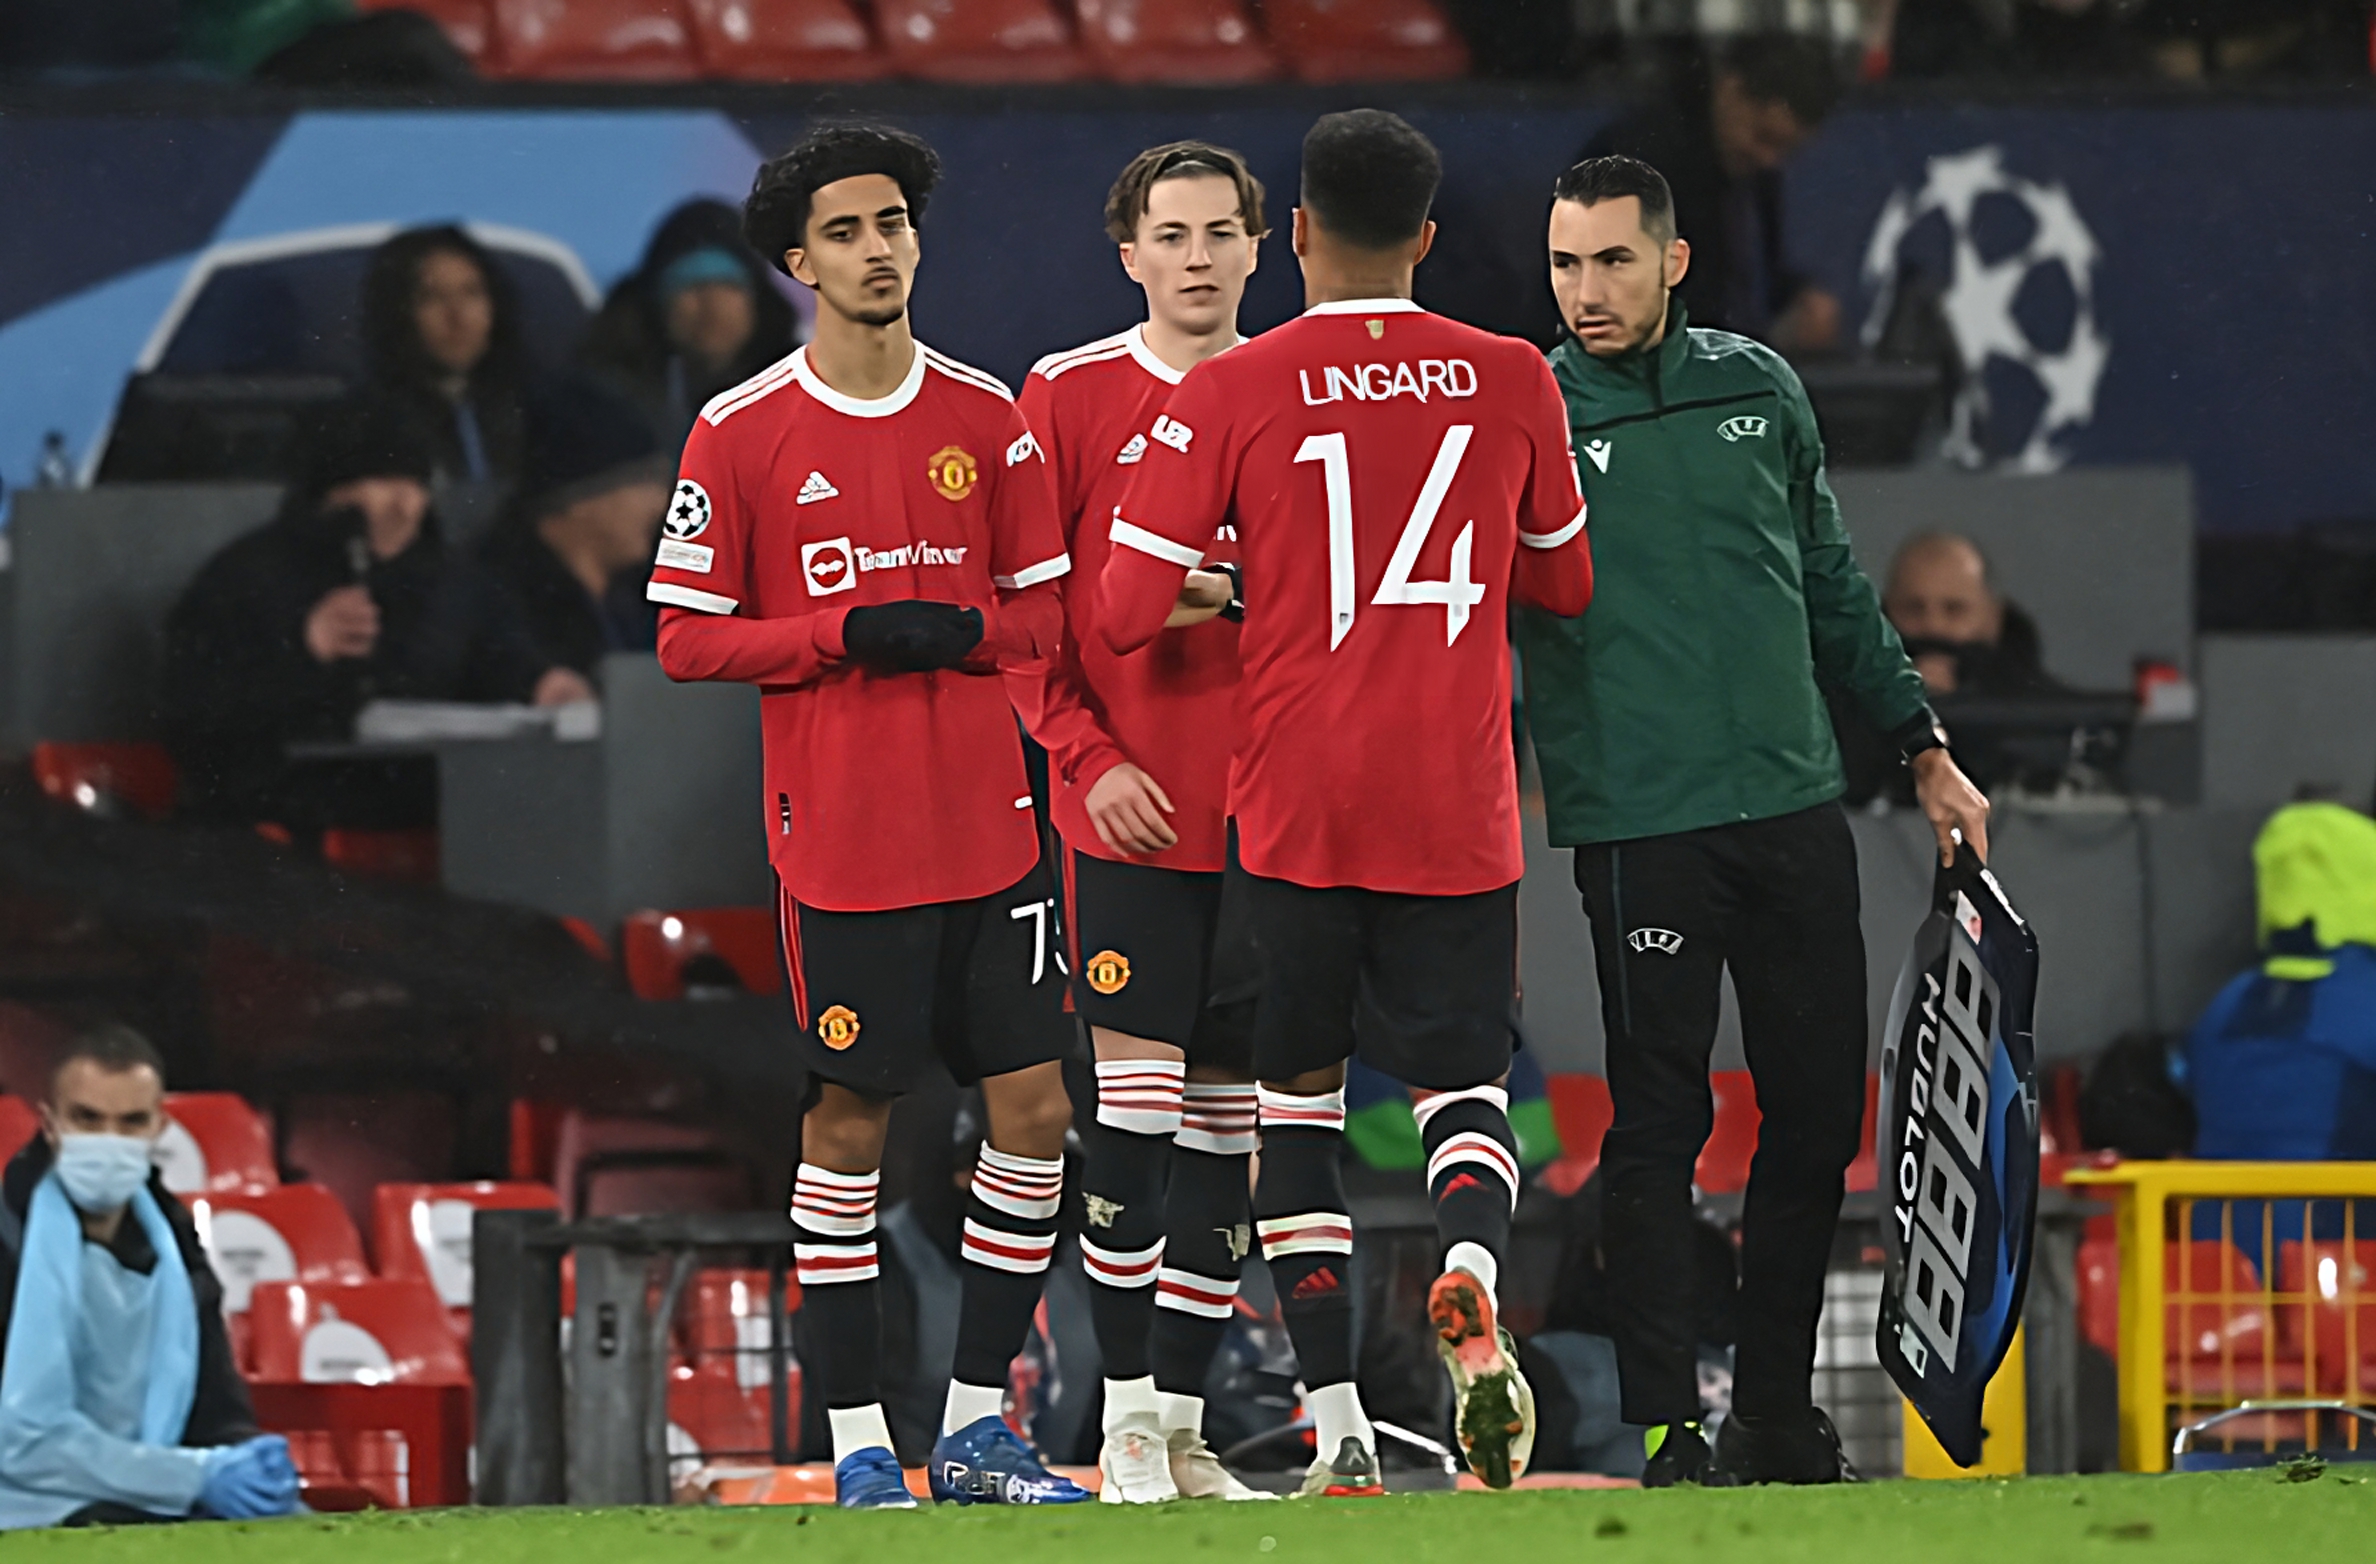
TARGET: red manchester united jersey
(1389,472)
(1167,709)
(796,504)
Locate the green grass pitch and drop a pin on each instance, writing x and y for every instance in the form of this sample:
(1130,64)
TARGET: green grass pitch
(2232,1518)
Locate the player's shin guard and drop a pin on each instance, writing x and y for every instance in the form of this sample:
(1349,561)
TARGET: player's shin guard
(1209,1233)
(1306,1231)
(1472,1175)
(1010,1231)
(833,1255)
(1122,1195)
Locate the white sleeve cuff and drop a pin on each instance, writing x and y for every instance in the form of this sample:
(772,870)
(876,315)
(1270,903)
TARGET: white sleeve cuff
(1156,544)
(689,597)
(1553,539)
(1045,570)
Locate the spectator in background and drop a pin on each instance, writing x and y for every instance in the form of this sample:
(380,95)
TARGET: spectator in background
(320,43)
(441,333)
(698,316)
(576,549)
(1721,139)
(348,595)
(2282,1066)
(1965,640)
(119,1398)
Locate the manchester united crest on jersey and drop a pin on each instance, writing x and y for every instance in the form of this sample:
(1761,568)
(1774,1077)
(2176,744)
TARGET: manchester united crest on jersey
(837,1028)
(1109,972)
(953,472)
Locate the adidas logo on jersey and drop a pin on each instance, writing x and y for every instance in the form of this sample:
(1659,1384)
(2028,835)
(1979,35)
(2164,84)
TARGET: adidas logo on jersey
(1133,451)
(815,488)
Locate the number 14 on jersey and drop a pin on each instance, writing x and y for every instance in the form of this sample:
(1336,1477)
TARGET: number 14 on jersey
(1456,594)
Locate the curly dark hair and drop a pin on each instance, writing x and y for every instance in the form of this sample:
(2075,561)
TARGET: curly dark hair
(775,217)
(1369,177)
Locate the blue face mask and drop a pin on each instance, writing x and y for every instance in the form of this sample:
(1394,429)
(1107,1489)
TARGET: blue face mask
(101,1173)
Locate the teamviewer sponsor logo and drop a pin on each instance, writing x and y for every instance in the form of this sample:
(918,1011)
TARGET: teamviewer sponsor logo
(829,567)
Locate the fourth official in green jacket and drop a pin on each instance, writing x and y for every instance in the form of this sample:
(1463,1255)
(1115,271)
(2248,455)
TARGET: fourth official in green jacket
(1687,758)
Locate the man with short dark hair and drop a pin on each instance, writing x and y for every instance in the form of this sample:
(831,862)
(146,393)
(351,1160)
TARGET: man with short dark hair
(1395,478)
(1138,751)
(1721,139)
(865,531)
(1686,757)
(119,1399)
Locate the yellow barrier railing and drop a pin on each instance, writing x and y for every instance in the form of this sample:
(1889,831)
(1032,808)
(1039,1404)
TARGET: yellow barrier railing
(2274,1303)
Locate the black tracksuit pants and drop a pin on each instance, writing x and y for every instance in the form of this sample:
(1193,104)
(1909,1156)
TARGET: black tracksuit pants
(1776,901)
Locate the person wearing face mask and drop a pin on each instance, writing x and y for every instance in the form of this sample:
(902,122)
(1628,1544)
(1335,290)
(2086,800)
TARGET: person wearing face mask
(1966,640)
(119,1398)
(350,594)
(576,548)
(698,316)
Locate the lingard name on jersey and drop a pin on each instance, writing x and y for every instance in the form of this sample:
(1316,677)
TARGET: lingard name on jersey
(1430,377)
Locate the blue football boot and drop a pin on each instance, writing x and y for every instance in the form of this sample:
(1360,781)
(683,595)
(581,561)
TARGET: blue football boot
(870,1480)
(984,1463)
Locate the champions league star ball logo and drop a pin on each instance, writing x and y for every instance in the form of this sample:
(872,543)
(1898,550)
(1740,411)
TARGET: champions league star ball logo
(2019,299)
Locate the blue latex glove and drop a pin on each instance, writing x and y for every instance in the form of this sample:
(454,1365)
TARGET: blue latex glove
(249,1481)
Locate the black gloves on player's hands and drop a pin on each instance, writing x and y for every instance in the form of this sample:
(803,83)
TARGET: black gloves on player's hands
(911,636)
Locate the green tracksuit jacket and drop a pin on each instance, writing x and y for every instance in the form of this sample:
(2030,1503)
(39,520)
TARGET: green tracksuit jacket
(1723,585)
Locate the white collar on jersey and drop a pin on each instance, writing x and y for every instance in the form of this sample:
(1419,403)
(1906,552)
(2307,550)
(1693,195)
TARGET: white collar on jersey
(859,407)
(1366,307)
(1136,338)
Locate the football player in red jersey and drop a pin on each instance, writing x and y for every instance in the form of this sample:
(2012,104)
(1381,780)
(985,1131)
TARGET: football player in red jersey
(1139,762)
(866,532)
(1394,479)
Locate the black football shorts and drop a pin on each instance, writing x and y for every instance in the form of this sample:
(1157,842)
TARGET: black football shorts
(1144,957)
(976,986)
(1422,988)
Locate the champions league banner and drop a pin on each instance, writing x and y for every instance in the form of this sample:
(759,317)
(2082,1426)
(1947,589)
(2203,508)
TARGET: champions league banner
(1958,1150)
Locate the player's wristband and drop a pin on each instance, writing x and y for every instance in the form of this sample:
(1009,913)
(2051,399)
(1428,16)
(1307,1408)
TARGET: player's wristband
(1921,733)
(1235,609)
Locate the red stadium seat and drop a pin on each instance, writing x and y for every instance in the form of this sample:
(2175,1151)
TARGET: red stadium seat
(624,1166)
(19,1123)
(718,1396)
(656,946)
(2099,1295)
(215,1143)
(591,40)
(368,1331)
(783,40)
(2339,1283)
(1190,41)
(296,1233)
(980,40)
(371,1384)
(1724,1161)
(384,855)
(1580,1112)
(464,22)
(1365,40)
(99,777)
(421,1232)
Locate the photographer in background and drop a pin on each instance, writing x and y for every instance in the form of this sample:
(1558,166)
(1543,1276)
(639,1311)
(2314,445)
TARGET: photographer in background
(347,596)
(119,1399)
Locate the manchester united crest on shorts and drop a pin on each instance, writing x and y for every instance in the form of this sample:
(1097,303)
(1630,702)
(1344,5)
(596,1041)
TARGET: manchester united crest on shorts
(953,472)
(1109,972)
(837,1028)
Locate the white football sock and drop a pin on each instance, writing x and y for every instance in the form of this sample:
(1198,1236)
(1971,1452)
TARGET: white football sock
(1479,1262)
(1176,1411)
(1337,1417)
(1128,1397)
(856,1429)
(969,1404)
